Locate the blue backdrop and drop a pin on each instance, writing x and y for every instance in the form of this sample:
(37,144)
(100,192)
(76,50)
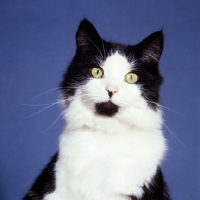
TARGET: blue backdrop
(37,41)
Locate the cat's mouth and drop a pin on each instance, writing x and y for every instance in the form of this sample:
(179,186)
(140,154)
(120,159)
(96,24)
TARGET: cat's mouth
(108,108)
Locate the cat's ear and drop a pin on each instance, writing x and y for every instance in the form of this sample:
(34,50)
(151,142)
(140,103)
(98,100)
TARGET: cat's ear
(87,38)
(150,49)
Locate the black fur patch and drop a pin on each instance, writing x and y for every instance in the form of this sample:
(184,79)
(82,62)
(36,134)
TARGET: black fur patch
(45,182)
(157,189)
(108,109)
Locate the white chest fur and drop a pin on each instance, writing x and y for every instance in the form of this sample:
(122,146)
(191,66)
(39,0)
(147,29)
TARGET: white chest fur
(95,165)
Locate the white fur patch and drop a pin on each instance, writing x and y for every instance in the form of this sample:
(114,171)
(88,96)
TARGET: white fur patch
(105,158)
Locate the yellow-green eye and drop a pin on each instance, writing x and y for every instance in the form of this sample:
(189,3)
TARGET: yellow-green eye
(131,78)
(97,72)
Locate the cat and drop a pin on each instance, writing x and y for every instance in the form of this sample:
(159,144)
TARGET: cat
(112,146)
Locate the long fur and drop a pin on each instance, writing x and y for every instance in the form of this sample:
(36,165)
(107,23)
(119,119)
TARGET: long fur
(112,145)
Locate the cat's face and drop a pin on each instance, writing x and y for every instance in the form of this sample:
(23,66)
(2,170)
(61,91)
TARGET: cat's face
(110,77)
(111,92)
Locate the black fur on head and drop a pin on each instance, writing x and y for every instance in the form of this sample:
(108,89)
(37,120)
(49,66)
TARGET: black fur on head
(92,50)
(147,54)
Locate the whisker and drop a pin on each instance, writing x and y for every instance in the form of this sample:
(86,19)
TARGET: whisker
(45,93)
(36,105)
(173,134)
(45,108)
(54,121)
(159,105)
(172,111)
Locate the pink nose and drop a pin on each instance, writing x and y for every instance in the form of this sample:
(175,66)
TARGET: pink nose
(111,90)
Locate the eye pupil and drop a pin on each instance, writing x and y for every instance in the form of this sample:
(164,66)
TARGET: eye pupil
(131,78)
(97,72)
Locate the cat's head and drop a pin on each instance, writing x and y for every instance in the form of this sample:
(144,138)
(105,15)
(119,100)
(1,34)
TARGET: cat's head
(109,77)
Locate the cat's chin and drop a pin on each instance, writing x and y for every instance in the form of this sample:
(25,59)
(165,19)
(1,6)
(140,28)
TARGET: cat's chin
(107,109)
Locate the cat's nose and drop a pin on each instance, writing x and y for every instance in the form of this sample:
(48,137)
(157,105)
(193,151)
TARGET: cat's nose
(111,90)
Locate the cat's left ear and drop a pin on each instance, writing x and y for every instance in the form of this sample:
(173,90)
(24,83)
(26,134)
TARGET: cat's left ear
(150,49)
(87,38)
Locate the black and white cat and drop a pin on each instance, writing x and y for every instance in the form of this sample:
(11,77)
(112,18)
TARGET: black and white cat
(112,145)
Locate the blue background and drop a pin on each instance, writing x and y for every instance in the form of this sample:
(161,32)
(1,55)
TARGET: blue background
(37,41)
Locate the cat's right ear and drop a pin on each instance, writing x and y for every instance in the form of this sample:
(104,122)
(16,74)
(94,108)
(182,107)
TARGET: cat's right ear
(87,38)
(150,49)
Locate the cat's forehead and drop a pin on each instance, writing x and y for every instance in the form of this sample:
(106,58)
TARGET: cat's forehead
(118,63)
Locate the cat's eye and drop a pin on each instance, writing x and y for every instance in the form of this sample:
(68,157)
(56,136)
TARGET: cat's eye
(97,72)
(131,78)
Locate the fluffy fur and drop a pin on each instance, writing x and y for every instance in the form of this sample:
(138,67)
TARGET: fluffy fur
(112,145)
